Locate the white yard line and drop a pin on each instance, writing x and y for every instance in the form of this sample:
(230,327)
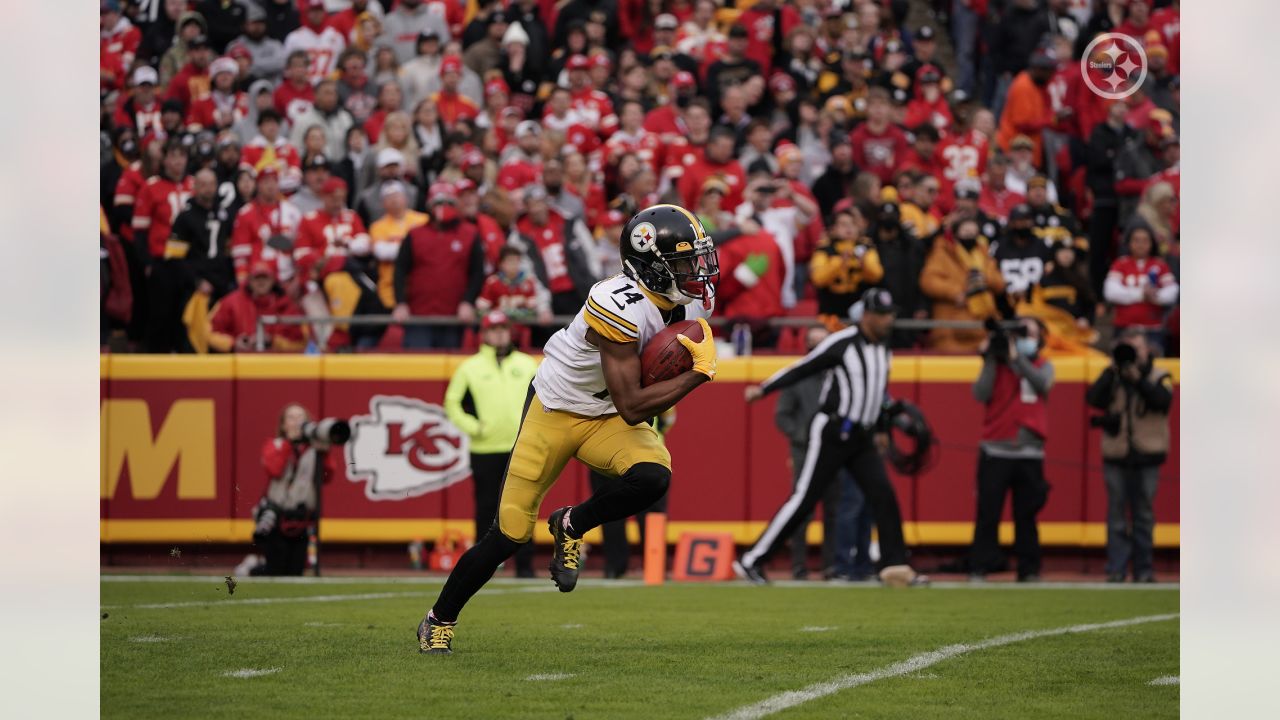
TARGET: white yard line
(818,628)
(539,588)
(1166,680)
(914,664)
(543,677)
(265,601)
(250,672)
(963,585)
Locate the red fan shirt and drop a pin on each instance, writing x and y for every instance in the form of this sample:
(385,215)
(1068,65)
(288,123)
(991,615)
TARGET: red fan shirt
(218,111)
(142,117)
(1152,272)
(519,296)
(255,224)
(879,152)
(127,190)
(155,208)
(761,29)
(321,234)
(293,101)
(549,239)
(697,172)
(596,110)
(454,107)
(998,203)
(190,84)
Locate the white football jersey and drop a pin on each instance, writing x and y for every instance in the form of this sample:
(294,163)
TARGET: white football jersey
(570,377)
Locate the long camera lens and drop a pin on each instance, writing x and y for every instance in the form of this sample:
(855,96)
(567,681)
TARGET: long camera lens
(332,430)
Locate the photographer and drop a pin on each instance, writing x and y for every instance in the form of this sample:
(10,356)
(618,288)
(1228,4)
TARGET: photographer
(296,462)
(1135,442)
(1013,385)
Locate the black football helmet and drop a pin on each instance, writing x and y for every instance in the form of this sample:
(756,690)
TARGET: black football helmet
(666,249)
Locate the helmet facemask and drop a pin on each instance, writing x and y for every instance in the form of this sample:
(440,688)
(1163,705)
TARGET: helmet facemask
(682,276)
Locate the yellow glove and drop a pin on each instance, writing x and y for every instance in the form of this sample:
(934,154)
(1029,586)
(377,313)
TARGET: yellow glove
(703,353)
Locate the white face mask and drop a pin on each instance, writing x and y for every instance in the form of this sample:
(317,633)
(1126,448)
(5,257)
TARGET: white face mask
(1027,346)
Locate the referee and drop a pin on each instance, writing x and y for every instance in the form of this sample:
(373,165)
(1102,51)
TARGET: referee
(844,434)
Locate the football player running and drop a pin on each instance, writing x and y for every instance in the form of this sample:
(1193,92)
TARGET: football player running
(586,402)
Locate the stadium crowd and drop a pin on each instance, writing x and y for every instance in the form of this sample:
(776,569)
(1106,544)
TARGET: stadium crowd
(356,157)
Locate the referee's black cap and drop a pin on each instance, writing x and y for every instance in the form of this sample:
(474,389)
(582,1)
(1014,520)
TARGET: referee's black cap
(878,300)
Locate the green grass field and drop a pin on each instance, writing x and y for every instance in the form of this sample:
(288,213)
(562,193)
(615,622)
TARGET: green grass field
(345,648)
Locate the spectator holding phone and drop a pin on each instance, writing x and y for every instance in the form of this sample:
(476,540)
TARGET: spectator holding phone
(1141,287)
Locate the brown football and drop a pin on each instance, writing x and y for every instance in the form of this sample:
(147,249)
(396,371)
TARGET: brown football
(664,357)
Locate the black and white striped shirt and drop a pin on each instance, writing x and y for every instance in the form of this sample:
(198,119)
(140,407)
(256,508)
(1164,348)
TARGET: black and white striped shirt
(858,383)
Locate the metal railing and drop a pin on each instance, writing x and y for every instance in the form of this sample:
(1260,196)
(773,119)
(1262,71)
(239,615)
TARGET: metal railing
(559,321)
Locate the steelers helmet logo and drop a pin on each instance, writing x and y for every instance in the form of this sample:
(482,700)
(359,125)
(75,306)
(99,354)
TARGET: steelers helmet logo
(643,237)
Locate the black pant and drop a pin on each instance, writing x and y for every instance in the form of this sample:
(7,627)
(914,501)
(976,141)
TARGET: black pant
(284,554)
(487,470)
(996,477)
(1102,228)
(169,288)
(826,454)
(617,550)
(799,543)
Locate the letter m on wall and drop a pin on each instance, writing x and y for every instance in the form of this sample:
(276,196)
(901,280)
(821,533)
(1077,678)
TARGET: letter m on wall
(185,438)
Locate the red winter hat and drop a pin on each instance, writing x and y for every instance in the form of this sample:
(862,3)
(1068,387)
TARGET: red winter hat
(442,192)
(464,185)
(333,185)
(471,157)
(450,63)
(262,267)
(578,62)
(601,60)
(496,85)
(496,317)
(782,82)
(684,79)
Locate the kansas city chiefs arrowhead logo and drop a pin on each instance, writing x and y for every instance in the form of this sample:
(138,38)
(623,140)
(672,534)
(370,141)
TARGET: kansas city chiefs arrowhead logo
(405,448)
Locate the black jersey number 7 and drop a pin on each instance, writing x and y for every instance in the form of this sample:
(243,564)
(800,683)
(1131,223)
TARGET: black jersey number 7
(627,294)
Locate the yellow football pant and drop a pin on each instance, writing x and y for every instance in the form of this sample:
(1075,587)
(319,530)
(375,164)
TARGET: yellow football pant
(548,439)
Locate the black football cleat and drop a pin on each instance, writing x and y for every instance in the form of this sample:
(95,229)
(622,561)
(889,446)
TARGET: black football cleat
(435,637)
(751,573)
(566,554)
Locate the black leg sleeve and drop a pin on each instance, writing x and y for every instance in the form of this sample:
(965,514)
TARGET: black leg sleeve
(474,569)
(614,532)
(868,472)
(637,489)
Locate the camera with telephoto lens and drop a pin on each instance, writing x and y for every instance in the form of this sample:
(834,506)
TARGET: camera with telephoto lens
(998,333)
(1110,423)
(1124,355)
(331,430)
